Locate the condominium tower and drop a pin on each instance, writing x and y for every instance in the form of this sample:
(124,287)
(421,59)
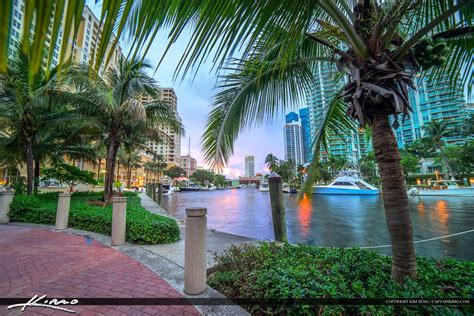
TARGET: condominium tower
(293,139)
(249,166)
(319,96)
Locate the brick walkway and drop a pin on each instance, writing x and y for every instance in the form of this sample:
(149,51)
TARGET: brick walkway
(38,261)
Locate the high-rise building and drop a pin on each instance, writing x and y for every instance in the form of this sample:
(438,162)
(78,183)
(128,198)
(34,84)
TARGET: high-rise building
(305,133)
(249,166)
(188,163)
(81,48)
(169,147)
(434,101)
(343,145)
(293,140)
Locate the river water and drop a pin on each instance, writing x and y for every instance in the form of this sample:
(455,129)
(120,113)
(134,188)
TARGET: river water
(331,220)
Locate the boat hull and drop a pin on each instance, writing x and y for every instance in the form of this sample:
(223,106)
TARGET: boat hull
(340,191)
(448,192)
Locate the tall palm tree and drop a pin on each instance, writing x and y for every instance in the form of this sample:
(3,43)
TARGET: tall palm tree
(436,131)
(32,114)
(379,45)
(272,161)
(116,103)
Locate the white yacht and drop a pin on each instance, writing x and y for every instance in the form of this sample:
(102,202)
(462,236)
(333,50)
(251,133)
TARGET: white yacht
(264,187)
(347,182)
(443,188)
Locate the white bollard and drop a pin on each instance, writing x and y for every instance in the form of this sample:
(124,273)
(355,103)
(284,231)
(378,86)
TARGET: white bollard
(195,251)
(119,220)
(6,199)
(62,212)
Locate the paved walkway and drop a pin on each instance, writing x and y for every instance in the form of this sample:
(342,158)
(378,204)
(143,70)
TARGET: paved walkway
(59,264)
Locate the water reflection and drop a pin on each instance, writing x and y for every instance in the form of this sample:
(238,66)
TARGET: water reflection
(335,220)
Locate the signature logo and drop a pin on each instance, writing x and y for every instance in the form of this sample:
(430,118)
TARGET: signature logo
(41,301)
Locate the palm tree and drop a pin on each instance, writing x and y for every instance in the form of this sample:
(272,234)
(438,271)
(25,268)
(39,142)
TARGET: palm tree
(32,114)
(116,103)
(379,45)
(436,131)
(271,161)
(422,148)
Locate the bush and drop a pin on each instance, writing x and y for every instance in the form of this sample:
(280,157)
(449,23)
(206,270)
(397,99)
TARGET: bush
(143,227)
(299,271)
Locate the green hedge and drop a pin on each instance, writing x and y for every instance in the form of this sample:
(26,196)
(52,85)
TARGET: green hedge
(143,227)
(289,271)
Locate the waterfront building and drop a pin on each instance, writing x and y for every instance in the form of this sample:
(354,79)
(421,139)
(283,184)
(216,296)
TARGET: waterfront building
(293,139)
(319,96)
(81,48)
(305,133)
(434,101)
(170,146)
(249,166)
(188,163)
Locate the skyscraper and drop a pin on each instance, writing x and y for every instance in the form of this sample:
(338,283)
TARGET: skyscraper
(169,148)
(305,134)
(342,145)
(293,140)
(249,166)
(434,101)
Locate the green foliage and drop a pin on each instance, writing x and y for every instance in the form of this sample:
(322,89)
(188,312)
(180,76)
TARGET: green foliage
(409,162)
(202,176)
(143,227)
(431,53)
(461,159)
(422,148)
(174,172)
(288,271)
(220,181)
(71,175)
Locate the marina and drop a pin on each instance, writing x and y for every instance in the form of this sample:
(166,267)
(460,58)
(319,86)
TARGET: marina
(335,220)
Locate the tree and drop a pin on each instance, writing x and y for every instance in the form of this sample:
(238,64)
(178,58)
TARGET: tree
(286,169)
(422,148)
(174,172)
(368,167)
(271,161)
(380,46)
(409,163)
(118,105)
(220,181)
(436,131)
(461,159)
(30,109)
(70,175)
(202,177)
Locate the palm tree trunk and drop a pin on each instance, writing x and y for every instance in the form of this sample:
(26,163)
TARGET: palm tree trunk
(129,175)
(110,168)
(395,199)
(29,166)
(98,169)
(37,176)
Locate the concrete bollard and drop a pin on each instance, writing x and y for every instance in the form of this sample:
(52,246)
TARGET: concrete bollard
(62,212)
(6,199)
(119,220)
(275,183)
(195,251)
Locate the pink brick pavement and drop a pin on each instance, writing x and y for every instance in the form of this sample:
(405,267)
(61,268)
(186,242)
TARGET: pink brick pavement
(56,264)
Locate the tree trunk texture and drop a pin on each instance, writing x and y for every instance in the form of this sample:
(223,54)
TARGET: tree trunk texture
(37,176)
(98,169)
(110,168)
(129,175)
(29,166)
(395,199)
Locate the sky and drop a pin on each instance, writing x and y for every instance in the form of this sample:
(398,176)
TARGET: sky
(194,103)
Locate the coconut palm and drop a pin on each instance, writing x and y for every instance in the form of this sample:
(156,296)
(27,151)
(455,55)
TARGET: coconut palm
(437,131)
(117,104)
(272,161)
(379,45)
(33,115)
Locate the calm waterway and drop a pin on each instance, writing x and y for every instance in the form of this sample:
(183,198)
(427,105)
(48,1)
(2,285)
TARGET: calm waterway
(331,220)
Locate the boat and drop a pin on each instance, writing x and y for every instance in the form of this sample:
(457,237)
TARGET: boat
(442,188)
(264,187)
(286,188)
(166,186)
(347,182)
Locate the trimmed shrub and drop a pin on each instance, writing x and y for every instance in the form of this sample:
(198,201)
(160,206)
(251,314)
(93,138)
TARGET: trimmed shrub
(275,271)
(143,227)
